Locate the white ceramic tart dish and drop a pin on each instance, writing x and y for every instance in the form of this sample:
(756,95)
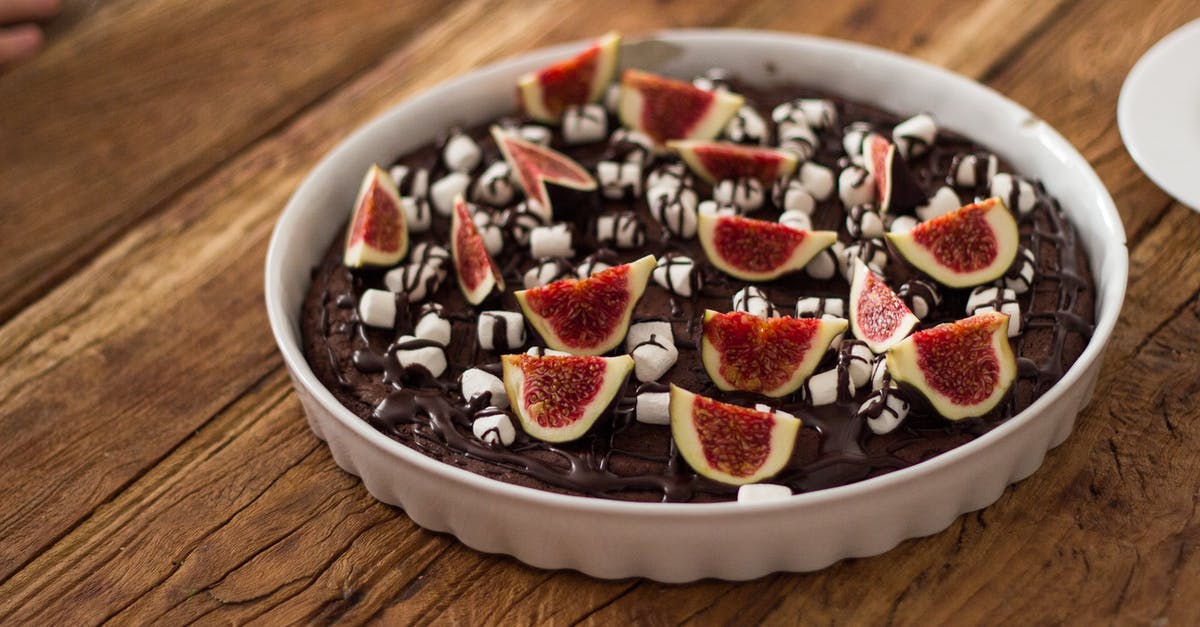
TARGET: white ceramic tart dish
(677,542)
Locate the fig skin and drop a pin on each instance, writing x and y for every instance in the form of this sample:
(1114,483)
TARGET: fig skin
(982,228)
(554,373)
(377,214)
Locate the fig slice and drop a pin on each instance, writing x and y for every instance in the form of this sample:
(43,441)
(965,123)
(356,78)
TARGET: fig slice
(962,368)
(729,443)
(896,189)
(717,161)
(758,250)
(546,93)
(768,356)
(969,246)
(666,109)
(477,272)
(556,398)
(587,316)
(537,165)
(378,233)
(877,315)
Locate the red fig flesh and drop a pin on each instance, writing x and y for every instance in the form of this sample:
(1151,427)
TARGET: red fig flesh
(538,165)
(758,250)
(963,368)
(877,316)
(557,399)
(587,316)
(969,246)
(716,161)
(378,234)
(769,356)
(477,272)
(729,443)
(666,109)
(544,94)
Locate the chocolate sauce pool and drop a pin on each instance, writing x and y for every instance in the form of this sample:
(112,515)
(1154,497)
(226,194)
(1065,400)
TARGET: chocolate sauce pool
(621,458)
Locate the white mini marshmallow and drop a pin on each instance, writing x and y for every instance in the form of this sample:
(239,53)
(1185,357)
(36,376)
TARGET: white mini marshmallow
(475,382)
(551,241)
(863,221)
(652,359)
(584,124)
(824,265)
(818,307)
(790,194)
(902,224)
(432,253)
(746,127)
(520,220)
(500,330)
(798,138)
(640,332)
(675,210)
(915,135)
(546,271)
(796,220)
(762,493)
(973,170)
(818,112)
(542,351)
(860,359)
(461,153)
(890,406)
(856,186)
(494,427)
(444,190)
(943,201)
(1020,276)
(985,299)
(652,346)
(822,388)
(489,231)
(754,301)
(416,280)
(377,308)
(653,408)
(630,146)
(817,179)
(619,179)
(1016,192)
(418,215)
(495,187)
(744,193)
(621,230)
(535,134)
(873,252)
(411,181)
(677,274)
(434,328)
(433,358)
(669,174)
(591,265)
(853,137)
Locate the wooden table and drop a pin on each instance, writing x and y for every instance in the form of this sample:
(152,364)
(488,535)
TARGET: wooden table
(154,462)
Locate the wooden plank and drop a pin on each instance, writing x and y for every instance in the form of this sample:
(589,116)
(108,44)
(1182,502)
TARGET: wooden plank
(127,107)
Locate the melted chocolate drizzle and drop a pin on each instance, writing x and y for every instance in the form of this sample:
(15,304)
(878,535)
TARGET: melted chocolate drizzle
(622,458)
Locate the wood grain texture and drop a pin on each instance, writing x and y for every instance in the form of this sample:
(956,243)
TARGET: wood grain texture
(128,107)
(204,498)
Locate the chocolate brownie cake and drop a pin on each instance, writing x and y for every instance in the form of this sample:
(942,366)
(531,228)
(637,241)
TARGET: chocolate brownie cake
(400,345)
